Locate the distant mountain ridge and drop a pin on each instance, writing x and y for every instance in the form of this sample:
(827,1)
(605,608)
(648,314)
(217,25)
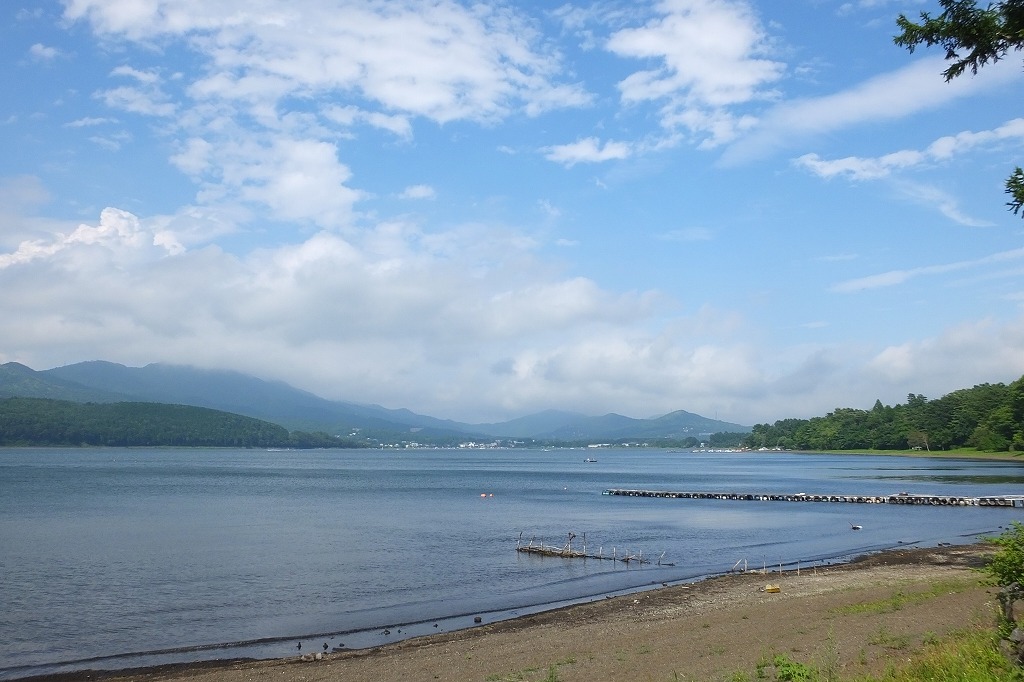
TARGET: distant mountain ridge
(295,409)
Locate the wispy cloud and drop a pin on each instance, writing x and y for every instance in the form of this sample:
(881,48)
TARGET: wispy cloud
(942,149)
(897,94)
(895,277)
(689,234)
(895,166)
(89,122)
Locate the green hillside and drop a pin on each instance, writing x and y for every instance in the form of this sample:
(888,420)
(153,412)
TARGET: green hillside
(40,421)
(987,417)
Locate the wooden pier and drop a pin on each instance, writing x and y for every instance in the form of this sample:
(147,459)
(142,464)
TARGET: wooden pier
(1011,501)
(566,551)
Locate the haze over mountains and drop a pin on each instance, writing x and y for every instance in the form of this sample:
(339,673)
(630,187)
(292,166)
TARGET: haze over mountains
(277,402)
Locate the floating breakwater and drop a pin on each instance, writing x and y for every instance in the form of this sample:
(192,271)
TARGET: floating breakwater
(898,498)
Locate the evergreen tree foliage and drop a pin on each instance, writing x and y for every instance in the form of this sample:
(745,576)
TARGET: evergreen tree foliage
(972,37)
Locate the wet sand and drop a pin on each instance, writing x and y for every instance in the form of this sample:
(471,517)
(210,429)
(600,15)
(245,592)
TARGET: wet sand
(708,630)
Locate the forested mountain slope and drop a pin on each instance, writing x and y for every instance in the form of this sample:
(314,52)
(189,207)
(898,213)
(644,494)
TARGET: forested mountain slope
(39,421)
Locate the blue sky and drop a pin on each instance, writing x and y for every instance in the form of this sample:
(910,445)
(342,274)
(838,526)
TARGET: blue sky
(749,210)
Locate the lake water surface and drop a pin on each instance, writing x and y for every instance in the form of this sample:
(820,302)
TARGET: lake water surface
(124,557)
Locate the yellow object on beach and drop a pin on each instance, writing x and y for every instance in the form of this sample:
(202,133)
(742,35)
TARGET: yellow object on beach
(772,588)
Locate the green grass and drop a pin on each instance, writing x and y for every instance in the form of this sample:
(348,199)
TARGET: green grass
(899,599)
(967,656)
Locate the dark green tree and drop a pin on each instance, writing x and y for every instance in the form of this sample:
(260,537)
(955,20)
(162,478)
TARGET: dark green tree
(972,37)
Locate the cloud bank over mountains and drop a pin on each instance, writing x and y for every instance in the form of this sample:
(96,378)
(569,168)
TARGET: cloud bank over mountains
(481,211)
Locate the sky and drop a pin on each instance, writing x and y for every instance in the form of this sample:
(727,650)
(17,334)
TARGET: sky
(748,209)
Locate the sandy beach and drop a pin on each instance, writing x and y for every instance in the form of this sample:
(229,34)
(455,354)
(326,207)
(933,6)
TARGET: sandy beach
(709,630)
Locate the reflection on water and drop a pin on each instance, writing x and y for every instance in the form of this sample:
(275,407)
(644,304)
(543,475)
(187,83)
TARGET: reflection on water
(983,479)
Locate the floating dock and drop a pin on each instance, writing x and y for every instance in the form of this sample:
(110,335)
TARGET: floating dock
(898,498)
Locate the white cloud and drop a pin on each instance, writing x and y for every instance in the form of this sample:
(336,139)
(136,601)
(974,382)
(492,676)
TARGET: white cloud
(418,192)
(42,53)
(143,77)
(391,312)
(439,60)
(713,57)
(912,88)
(894,277)
(859,168)
(944,148)
(88,122)
(278,84)
(940,151)
(118,233)
(587,150)
(954,359)
(945,203)
(407,319)
(296,179)
(350,115)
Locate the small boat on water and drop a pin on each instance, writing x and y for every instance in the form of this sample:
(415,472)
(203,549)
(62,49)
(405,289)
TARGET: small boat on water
(854,526)
(590,459)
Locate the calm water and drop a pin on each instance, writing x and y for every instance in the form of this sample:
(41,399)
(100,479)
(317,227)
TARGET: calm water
(117,558)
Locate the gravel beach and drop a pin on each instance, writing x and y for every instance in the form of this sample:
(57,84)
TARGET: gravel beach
(710,630)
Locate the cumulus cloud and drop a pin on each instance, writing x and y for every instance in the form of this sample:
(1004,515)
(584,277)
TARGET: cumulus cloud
(713,57)
(442,61)
(280,84)
(117,232)
(296,179)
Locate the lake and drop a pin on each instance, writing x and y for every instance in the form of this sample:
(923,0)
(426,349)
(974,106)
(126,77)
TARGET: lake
(118,558)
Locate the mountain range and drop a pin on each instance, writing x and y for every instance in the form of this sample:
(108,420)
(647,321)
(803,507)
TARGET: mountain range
(295,409)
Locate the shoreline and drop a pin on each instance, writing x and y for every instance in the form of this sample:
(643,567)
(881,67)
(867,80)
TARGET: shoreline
(667,603)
